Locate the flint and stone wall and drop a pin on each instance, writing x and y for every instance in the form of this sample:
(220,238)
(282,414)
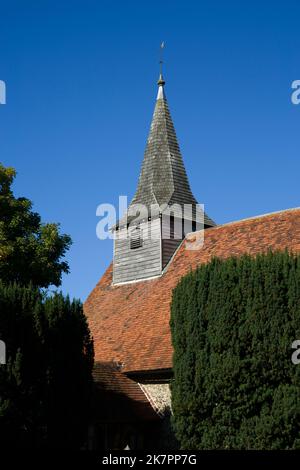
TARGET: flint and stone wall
(159,396)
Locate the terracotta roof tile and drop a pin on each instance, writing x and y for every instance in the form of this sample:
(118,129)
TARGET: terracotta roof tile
(120,398)
(130,322)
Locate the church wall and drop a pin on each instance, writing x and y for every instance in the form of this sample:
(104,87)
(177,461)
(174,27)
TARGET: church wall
(139,263)
(159,396)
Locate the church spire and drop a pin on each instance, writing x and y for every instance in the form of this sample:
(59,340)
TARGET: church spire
(163,180)
(147,239)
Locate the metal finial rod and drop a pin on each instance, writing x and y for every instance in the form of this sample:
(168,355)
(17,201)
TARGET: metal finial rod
(161,80)
(161,56)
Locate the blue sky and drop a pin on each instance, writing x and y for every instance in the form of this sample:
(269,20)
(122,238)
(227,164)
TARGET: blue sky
(81,86)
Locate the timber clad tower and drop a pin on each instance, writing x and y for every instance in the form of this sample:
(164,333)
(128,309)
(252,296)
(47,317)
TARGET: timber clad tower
(163,209)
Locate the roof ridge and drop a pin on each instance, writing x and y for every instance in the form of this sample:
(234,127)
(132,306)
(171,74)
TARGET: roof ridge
(261,216)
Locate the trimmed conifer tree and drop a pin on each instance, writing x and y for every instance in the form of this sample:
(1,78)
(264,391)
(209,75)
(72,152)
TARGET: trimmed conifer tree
(233,323)
(46,383)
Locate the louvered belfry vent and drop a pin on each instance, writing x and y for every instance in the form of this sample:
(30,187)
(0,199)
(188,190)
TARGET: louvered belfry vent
(136,239)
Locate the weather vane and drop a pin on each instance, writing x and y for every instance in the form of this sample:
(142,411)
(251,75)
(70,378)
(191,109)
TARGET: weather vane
(161,56)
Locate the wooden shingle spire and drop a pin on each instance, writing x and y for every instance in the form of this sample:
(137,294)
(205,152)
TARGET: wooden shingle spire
(163,180)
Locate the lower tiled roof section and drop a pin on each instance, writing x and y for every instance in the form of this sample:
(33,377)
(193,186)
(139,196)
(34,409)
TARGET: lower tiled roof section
(119,398)
(130,322)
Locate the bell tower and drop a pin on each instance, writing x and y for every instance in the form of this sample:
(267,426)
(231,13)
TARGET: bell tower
(163,208)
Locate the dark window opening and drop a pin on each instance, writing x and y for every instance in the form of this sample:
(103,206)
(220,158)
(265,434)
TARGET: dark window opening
(176,228)
(172,225)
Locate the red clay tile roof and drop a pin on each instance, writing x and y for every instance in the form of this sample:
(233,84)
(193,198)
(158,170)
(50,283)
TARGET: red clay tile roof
(118,397)
(130,322)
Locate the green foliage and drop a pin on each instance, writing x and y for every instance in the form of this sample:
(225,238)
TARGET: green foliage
(45,385)
(29,250)
(233,323)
